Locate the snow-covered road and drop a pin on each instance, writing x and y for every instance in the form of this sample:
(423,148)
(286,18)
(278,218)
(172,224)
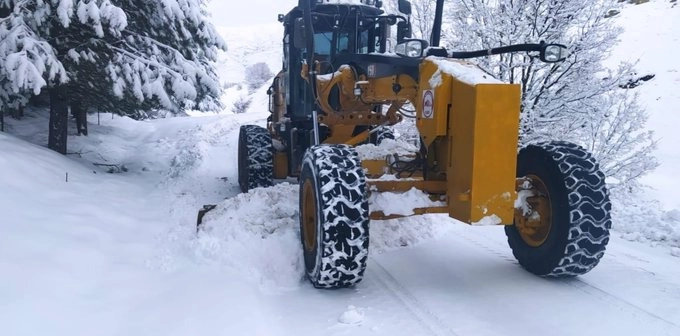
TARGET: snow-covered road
(84,252)
(117,254)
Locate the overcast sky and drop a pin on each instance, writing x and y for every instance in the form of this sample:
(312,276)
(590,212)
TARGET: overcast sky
(231,13)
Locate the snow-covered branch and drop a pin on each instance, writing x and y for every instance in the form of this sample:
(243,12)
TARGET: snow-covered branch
(156,54)
(577,100)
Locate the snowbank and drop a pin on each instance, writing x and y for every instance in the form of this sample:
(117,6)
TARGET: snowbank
(257,235)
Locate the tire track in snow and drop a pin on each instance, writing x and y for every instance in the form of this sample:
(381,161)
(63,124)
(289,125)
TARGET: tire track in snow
(619,302)
(578,283)
(428,320)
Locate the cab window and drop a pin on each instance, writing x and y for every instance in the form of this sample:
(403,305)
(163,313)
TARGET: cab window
(322,43)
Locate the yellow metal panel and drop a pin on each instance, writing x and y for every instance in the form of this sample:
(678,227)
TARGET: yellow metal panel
(382,89)
(280,165)
(339,133)
(432,120)
(484,128)
(374,167)
(430,187)
(379,215)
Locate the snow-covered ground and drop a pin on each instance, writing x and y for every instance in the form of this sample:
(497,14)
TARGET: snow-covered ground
(118,254)
(86,252)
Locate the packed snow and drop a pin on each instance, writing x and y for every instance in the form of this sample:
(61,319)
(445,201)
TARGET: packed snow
(466,72)
(392,203)
(388,147)
(103,241)
(488,220)
(351,316)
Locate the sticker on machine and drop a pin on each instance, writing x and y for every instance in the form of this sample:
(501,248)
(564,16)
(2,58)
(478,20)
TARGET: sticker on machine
(428,104)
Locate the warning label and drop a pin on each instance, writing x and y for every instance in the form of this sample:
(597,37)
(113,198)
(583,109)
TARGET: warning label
(428,104)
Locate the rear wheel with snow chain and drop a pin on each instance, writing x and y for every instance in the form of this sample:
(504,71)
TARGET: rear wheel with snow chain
(380,135)
(334,216)
(563,227)
(255,158)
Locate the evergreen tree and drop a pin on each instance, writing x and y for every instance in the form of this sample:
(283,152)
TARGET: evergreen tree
(123,56)
(165,56)
(29,63)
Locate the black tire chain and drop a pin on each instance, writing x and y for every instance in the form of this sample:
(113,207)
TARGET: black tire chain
(259,156)
(382,134)
(589,209)
(344,215)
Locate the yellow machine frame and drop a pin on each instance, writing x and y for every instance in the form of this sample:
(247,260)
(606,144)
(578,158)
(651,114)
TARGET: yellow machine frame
(469,127)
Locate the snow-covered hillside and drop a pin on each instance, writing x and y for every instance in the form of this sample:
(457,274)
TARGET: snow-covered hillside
(649,41)
(87,252)
(248,46)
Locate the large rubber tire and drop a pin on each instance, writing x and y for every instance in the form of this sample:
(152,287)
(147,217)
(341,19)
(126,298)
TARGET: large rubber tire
(580,220)
(334,217)
(255,158)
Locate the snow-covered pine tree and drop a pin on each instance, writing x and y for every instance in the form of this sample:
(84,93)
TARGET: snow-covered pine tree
(578,100)
(122,56)
(28,62)
(166,55)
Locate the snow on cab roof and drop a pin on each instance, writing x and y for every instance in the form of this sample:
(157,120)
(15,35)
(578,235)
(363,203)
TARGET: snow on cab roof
(463,71)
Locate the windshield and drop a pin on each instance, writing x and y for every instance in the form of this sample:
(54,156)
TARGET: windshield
(322,43)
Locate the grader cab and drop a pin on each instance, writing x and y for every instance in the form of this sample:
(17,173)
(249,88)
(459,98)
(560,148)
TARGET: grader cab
(346,79)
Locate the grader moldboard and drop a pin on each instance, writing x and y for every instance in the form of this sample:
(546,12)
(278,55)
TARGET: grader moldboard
(340,86)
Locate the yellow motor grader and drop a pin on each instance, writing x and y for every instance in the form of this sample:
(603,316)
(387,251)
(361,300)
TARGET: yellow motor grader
(345,81)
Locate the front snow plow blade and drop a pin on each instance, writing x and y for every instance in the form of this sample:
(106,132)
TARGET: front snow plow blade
(201,213)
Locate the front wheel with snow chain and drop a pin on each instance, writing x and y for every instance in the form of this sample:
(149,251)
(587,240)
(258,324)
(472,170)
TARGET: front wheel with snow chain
(255,158)
(563,227)
(334,216)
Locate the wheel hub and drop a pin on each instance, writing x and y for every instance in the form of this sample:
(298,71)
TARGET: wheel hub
(308,214)
(534,221)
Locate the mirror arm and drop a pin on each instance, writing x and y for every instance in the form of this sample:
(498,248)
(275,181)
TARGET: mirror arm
(539,47)
(496,51)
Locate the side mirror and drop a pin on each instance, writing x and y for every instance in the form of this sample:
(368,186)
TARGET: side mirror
(299,40)
(553,53)
(403,31)
(405,7)
(412,48)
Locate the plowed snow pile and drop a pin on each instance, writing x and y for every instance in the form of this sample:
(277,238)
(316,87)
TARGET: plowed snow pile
(257,234)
